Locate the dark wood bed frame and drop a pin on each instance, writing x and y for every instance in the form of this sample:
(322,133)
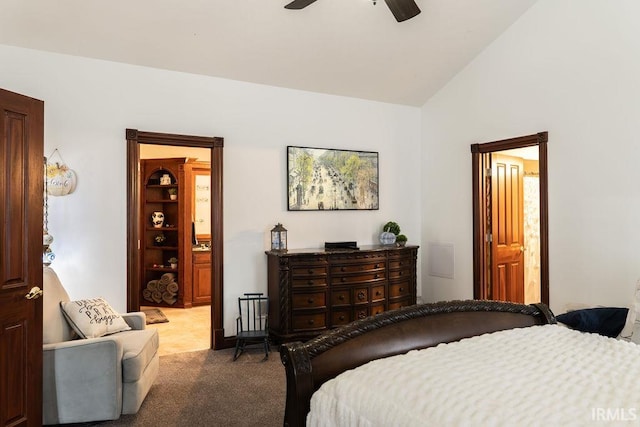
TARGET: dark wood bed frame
(308,365)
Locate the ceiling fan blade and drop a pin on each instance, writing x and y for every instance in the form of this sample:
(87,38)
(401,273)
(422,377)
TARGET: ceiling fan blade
(299,4)
(403,9)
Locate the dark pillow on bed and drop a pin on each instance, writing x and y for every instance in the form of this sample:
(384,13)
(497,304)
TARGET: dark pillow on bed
(607,321)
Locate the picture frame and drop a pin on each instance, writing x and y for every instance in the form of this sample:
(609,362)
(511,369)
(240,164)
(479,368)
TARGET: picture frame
(320,179)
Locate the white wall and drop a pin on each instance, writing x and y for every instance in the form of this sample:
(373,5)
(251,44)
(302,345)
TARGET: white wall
(90,103)
(571,68)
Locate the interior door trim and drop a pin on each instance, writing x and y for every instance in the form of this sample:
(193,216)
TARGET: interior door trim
(134,234)
(478,167)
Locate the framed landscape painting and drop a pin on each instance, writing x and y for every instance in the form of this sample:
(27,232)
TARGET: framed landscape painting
(329,179)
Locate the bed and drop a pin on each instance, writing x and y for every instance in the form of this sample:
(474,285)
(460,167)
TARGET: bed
(394,385)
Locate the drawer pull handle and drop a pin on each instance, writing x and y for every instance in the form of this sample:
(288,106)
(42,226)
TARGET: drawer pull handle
(400,273)
(310,282)
(377,266)
(361,315)
(377,293)
(343,279)
(343,269)
(401,289)
(341,297)
(341,318)
(311,321)
(400,263)
(310,300)
(361,295)
(375,276)
(310,271)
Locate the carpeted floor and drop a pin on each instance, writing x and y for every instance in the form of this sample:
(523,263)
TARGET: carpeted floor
(206,388)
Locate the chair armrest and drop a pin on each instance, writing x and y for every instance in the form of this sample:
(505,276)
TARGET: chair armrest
(86,344)
(137,320)
(82,379)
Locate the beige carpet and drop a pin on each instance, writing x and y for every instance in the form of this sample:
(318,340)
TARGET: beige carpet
(188,329)
(206,388)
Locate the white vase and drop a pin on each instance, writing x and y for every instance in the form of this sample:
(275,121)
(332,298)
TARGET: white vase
(387,238)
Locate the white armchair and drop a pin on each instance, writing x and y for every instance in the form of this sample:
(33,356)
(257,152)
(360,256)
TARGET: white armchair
(96,378)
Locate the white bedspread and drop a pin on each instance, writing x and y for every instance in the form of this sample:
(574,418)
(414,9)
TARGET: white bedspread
(538,376)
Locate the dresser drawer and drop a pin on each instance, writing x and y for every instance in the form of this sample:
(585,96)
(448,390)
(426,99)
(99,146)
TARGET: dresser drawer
(360,313)
(309,300)
(319,260)
(357,268)
(395,263)
(400,274)
(399,304)
(377,293)
(341,297)
(341,317)
(358,258)
(308,271)
(377,309)
(358,278)
(398,290)
(309,282)
(360,295)
(302,322)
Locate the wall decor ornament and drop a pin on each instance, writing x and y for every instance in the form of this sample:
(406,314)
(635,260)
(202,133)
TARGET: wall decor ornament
(330,179)
(61,180)
(165,179)
(157,219)
(159,239)
(47,239)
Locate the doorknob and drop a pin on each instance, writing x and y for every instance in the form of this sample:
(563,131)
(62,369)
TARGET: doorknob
(522,249)
(34,293)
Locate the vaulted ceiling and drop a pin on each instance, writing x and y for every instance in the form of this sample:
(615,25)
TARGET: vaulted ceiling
(344,47)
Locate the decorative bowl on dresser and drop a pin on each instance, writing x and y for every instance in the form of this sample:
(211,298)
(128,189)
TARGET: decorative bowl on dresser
(313,290)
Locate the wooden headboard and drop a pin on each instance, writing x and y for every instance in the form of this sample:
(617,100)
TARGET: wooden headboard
(308,365)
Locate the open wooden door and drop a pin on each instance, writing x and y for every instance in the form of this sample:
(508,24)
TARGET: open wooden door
(21,196)
(486,238)
(507,228)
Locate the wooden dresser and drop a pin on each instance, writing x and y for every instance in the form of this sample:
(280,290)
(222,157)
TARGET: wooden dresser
(311,291)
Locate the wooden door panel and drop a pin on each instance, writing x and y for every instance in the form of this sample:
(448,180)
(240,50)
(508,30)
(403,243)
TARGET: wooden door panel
(500,192)
(202,283)
(21,197)
(13,207)
(507,200)
(500,283)
(16,388)
(507,274)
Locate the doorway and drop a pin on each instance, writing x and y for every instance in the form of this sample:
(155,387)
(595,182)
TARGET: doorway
(502,256)
(135,139)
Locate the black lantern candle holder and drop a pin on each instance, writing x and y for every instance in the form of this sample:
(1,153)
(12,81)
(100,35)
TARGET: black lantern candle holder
(279,238)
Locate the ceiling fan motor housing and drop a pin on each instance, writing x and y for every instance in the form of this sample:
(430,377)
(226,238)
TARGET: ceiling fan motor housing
(401,9)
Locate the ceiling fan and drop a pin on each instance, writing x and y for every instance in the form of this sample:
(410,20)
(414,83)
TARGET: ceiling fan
(401,9)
